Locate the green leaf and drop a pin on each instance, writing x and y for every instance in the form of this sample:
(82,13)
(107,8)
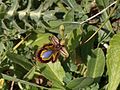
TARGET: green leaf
(73,39)
(21,60)
(47,4)
(96,64)
(70,3)
(113,62)
(38,39)
(86,49)
(13,9)
(79,83)
(36,14)
(69,27)
(2,10)
(54,72)
(6,77)
(24,12)
(50,16)
(55,24)
(103,4)
(15,25)
(69,16)
(94,86)
(67,77)
(30,74)
(2,47)
(86,6)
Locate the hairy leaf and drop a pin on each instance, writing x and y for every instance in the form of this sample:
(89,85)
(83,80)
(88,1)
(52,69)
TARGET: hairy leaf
(14,7)
(21,60)
(96,64)
(54,72)
(24,12)
(113,62)
(79,83)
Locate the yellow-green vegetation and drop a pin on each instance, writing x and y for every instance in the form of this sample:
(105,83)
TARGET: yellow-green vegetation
(87,33)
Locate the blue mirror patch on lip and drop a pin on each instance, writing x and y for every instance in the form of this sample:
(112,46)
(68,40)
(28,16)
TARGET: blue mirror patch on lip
(51,51)
(47,54)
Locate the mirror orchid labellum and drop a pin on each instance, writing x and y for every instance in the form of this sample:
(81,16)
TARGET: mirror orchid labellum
(51,51)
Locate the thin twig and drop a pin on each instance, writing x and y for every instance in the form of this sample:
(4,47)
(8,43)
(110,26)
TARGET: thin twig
(18,44)
(98,13)
(12,84)
(102,24)
(93,15)
(11,88)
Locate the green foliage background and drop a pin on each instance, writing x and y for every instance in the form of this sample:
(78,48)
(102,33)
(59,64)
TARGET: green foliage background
(93,63)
